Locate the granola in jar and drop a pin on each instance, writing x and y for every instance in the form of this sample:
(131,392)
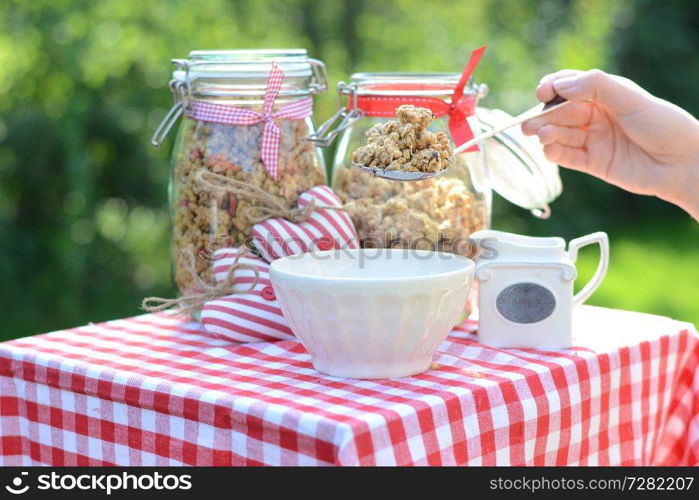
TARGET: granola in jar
(203,221)
(437,213)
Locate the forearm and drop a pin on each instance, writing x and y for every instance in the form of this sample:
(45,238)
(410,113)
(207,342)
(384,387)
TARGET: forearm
(679,131)
(690,201)
(686,196)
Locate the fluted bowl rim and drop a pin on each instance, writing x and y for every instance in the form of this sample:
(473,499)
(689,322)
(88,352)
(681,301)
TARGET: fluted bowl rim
(294,268)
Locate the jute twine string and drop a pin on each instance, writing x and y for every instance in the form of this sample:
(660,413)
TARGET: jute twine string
(188,304)
(266,204)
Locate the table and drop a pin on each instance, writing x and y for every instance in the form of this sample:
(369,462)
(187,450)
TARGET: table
(156,390)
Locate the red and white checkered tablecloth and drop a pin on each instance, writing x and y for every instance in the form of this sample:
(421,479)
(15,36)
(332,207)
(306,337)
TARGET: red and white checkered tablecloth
(155,390)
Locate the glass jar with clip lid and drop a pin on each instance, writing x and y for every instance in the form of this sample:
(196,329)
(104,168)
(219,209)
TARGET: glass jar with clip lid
(247,115)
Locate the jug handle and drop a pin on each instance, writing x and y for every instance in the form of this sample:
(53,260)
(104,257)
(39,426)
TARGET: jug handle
(603,240)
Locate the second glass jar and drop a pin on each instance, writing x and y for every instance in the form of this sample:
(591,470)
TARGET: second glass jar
(436,214)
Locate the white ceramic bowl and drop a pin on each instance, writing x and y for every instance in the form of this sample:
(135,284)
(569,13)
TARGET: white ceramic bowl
(372,313)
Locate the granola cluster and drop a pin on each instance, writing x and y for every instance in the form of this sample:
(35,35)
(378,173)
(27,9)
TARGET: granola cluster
(438,213)
(203,221)
(406,144)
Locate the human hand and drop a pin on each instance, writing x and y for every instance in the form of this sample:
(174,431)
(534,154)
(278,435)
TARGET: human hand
(620,133)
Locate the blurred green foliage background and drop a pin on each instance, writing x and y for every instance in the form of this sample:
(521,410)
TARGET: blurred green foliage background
(83,218)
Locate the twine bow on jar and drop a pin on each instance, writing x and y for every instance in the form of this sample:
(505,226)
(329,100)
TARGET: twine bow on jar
(271,135)
(189,304)
(266,205)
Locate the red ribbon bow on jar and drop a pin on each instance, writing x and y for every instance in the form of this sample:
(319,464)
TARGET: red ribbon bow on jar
(271,135)
(460,107)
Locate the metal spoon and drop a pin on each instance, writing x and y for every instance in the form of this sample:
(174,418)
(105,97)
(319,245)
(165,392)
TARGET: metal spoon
(401,175)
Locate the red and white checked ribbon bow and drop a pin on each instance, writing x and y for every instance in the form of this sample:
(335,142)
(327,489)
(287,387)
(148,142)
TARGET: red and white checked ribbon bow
(271,135)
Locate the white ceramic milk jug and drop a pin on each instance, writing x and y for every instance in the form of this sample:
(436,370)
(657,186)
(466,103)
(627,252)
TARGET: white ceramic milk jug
(525,288)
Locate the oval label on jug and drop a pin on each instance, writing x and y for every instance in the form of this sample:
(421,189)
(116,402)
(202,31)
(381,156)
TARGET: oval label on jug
(525,303)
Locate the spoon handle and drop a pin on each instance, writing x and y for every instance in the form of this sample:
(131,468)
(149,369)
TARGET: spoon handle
(535,112)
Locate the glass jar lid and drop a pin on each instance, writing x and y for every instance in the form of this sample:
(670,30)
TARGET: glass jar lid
(409,84)
(517,167)
(244,73)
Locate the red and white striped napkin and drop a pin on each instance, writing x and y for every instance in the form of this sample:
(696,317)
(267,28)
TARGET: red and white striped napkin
(255,316)
(252,316)
(325,229)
